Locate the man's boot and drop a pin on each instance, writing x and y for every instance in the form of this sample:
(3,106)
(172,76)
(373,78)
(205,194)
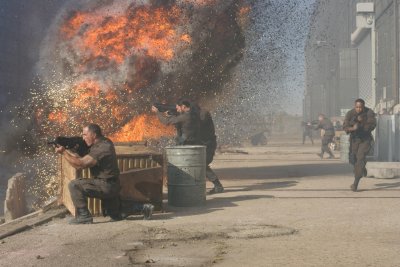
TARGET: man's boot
(83,216)
(320,155)
(354,186)
(112,208)
(218,188)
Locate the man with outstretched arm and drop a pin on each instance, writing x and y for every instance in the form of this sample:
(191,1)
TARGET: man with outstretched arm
(186,122)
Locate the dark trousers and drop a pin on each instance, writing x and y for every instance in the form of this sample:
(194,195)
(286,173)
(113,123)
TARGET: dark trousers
(326,139)
(106,190)
(305,134)
(358,157)
(210,152)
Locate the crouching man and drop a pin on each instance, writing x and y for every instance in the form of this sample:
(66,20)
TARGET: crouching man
(102,161)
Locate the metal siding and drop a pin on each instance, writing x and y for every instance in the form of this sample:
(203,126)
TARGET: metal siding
(384,57)
(365,70)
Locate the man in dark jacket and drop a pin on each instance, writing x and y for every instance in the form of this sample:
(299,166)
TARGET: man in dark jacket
(187,122)
(359,123)
(326,125)
(307,131)
(209,139)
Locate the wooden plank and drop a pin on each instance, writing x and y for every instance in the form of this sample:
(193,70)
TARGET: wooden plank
(69,174)
(29,221)
(141,180)
(142,185)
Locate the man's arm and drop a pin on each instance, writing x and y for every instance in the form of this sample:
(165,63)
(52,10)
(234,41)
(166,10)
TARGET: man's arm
(76,161)
(370,123)
(168,120)
(349,124)
(318,126)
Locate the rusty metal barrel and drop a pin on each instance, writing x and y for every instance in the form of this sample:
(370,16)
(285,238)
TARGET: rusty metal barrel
(344,147)
(186,175)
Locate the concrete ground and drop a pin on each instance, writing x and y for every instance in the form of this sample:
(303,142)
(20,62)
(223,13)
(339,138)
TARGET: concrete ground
(283,206)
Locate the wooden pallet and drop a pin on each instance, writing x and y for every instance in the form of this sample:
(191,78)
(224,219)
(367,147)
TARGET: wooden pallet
(141,178)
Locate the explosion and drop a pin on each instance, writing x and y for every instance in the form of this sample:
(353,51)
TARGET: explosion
(108,61)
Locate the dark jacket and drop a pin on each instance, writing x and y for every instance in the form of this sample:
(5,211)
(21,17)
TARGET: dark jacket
(207,129)
(327,125)
(365,126)
(187,125)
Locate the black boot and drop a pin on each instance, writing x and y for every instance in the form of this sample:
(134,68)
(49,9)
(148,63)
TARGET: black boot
(83,216)
(354,186)
(112,207)
(218,188)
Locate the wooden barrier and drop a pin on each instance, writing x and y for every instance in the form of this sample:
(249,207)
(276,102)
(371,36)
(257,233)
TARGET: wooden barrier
(141,178)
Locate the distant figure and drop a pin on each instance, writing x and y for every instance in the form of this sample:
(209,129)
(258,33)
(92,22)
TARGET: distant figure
(307,131)
(326,126)
(359,123)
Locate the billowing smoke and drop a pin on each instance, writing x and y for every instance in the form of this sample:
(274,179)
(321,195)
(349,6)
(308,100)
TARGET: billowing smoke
(107,61)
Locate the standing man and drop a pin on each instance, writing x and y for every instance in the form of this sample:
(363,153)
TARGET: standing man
(359,123)
(187,122)
(209,139)
(326,125)
(307,131)
(102,161)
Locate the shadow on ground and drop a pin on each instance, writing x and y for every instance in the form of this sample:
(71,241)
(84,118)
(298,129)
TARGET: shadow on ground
(212,205)
(285,171)
(382,186)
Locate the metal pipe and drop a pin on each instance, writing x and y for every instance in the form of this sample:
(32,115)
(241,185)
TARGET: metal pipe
(373,60)
(396,54)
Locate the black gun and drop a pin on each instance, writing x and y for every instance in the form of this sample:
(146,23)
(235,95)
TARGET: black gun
(171,109)
(75,143)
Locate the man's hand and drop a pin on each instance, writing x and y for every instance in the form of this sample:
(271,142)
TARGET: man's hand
(355,127)
(352,129)
(59,149)
(154,109)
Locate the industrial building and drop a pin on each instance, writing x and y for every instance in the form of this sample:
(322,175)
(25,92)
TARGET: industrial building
(344,62)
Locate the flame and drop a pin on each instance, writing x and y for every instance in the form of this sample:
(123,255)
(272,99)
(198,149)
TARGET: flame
(244,10)
(115,52)
(152,31)
(103,40)
(85,94)
(141,128)
(201,2)
(57,116)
